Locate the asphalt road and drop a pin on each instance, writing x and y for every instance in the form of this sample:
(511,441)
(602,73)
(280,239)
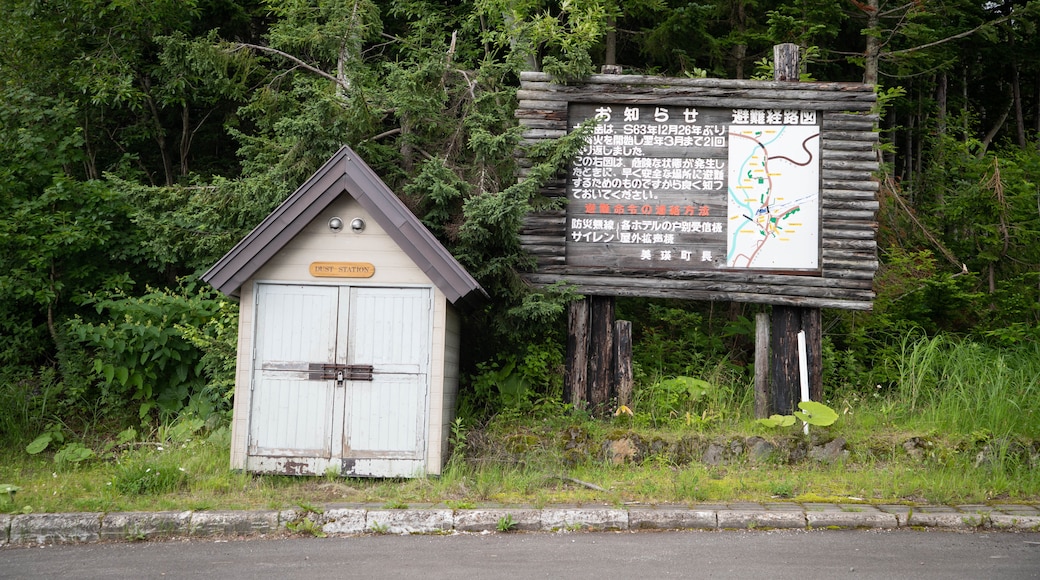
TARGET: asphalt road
(778,555)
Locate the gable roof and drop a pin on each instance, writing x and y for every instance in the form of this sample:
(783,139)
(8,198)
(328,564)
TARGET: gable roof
(346,173)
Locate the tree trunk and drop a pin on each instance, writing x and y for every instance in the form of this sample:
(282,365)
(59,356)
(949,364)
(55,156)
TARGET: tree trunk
(1016,93)
(185,144)
(992,133)
(90,160)
(515,41)
(964,98)
(940,98)
(349,51)
(738,21)
(160,137)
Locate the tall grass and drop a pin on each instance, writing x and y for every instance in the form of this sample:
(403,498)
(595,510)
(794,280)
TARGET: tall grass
(718,394)
(968,387)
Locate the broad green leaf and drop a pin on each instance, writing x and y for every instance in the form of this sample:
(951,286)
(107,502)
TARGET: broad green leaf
(39,444)
(777,421)
(73,453)
(815,413)
(125,436)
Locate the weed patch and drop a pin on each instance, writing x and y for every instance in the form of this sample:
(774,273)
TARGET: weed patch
(149,477)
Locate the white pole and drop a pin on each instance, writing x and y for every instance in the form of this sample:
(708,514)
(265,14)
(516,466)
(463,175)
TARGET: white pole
(803,371)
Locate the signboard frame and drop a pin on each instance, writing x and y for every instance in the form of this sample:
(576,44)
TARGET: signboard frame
(842,277)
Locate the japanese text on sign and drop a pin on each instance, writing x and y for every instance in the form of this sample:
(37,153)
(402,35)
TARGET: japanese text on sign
(650,188)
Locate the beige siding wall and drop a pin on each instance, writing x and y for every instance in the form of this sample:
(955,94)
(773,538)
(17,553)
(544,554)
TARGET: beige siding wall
(316,243)
(452,340)
(243,376)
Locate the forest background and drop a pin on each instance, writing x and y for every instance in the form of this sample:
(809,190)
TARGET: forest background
(139,141)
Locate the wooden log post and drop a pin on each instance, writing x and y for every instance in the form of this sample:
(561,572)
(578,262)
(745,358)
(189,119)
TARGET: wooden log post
(761,365)
(812,323)
(601,353)
(785,62)
(785,322)
(599,366)
(788,321)
(576,383)
(623,362)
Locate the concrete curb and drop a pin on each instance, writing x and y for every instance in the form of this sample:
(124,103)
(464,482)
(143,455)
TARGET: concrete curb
(42,529)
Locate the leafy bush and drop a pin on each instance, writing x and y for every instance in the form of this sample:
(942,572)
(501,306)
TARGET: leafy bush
(691,401)
(517,384)
(147,350)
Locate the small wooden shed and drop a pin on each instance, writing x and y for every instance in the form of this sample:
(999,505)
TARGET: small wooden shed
(348,339)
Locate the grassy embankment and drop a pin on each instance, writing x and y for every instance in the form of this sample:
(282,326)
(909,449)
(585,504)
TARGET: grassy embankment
(961,426)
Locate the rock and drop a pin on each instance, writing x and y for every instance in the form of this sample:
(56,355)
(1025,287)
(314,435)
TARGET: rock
(829,452)
(715,454)
(687,449)
(621,451)
(657,446)
(736,448)
(916,447)
(795,448)
(760,450)
(576,444)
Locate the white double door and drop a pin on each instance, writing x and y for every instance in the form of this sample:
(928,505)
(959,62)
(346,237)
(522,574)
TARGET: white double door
(302,418)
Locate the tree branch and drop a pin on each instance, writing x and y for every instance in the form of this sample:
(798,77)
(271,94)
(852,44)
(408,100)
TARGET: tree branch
(947,39)
(299,63)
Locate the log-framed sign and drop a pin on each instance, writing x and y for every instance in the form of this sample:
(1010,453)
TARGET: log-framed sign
(709,189)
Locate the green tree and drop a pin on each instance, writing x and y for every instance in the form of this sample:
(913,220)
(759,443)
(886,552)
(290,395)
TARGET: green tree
(58,236)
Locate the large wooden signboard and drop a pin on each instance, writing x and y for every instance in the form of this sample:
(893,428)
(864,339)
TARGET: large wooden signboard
(709,189)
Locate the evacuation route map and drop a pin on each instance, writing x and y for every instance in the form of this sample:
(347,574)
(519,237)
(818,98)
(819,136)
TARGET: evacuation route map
(773,197)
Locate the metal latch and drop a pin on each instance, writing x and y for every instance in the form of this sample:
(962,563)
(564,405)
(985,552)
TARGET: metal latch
(339,373)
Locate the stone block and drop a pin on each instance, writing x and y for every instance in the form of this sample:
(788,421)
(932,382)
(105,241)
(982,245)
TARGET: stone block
(233,523)
(409,521)
(345,521)
(134,526)
(761,519)
(584,519)
(1016,522)
(946,519)
(487,520)
(5,529)
(55,528)
(851,519)
(672,518)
